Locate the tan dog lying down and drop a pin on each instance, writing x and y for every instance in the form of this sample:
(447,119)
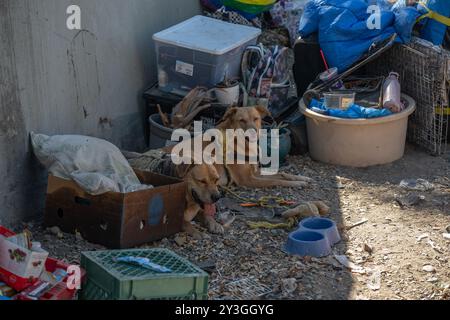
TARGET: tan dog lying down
(203,180)
(248,175)
(202,187)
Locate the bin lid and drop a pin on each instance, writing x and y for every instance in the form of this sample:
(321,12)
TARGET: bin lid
(207,35)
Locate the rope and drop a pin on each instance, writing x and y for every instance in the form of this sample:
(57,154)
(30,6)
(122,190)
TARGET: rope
(262,202)
(265,201)
(291,223)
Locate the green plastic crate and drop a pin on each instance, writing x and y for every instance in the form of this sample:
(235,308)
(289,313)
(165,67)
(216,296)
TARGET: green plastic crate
(109,280)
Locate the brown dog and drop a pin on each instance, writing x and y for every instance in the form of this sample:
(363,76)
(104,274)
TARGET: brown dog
(202,194)
(202,186)
(248,175)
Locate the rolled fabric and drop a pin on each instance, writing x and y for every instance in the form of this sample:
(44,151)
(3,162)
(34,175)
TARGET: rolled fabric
(254,7)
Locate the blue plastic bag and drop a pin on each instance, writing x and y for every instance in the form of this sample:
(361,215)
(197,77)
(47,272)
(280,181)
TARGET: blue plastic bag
(343,31)
(353,112)
(433,30)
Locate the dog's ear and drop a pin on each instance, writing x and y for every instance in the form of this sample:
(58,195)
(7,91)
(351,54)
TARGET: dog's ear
(183,169)
(231,112)
(263,111)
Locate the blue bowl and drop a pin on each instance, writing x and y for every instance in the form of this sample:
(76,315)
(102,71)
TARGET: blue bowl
(308,243)
(324,226)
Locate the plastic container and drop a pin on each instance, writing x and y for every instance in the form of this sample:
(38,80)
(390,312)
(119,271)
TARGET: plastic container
(160,136)
(329,75)
(357,142)
(228,96)
(201,51)
(336,100)
(284,144)
(326,227)
(392,93)
(308,243)
(110,280)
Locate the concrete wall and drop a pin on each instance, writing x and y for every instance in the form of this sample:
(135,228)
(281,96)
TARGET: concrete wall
(59,81)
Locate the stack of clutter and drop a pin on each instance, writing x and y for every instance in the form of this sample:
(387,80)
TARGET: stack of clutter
(214,65)
(418,61)
(26,271)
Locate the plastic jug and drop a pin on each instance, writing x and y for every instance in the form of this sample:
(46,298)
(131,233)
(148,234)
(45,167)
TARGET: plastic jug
(392,93)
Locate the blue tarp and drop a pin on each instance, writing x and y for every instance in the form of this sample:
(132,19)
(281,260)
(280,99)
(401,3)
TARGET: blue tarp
(342,27)
(353,112)
(433,30)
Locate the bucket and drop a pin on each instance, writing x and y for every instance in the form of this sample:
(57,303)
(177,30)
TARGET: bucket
(228,96)
(160,136)
(357,142)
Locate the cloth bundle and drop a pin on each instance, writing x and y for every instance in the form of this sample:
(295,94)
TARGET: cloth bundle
(96,165)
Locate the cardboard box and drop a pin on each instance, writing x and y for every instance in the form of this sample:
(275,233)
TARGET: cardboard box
(118,220)
(19,264)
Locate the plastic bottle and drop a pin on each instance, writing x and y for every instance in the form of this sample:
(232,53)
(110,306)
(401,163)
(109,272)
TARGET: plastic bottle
(36,247)
(392,93)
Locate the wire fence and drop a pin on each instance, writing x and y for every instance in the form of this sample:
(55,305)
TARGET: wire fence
(424,72)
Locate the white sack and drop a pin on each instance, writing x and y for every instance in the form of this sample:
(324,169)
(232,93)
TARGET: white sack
(96,165)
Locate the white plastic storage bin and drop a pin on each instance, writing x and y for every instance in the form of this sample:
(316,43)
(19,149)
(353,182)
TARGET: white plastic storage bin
(201,51)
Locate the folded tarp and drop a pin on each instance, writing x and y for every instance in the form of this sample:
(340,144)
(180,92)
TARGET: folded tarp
(343,28)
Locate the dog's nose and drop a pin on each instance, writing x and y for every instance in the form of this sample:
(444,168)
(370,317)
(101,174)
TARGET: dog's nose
(216,197)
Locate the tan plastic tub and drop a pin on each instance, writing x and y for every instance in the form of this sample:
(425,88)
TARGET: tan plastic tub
(357,142)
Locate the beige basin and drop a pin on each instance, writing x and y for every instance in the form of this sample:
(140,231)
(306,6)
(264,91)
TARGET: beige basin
(357,142)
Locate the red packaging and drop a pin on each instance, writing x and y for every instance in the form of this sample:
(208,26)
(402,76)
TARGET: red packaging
(60,291)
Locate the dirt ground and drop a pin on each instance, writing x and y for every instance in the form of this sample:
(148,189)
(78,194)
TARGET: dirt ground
(408,255)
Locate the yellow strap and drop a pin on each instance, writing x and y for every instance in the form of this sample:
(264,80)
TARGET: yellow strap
(257,2)
(434,15)
(442,111)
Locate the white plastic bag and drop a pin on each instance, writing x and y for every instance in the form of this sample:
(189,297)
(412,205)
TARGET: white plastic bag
(96,165)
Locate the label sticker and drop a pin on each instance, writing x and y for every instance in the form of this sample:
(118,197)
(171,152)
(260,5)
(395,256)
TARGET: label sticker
(155,210)
(184,68)
(346,103)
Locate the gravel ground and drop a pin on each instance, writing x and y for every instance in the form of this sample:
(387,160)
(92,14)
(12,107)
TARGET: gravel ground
(399,253)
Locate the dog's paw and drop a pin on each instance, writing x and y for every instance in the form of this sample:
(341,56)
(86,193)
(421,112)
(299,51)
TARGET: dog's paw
(214,227)
(197,235)
(192,231)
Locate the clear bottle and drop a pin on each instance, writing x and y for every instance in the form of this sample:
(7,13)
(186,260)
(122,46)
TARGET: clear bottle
(392,93)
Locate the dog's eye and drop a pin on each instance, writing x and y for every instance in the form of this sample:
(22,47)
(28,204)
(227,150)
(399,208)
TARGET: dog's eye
(256,119)
(203,181)
(243,121)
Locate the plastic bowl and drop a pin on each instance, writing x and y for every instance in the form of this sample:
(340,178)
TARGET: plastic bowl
(357,142)
(326,227)
(308,243)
